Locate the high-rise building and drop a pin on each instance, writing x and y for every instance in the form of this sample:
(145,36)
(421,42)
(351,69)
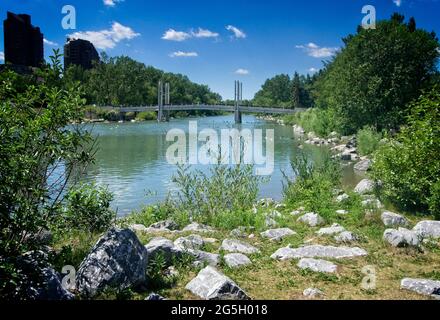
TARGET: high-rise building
(79,52)
(23,41)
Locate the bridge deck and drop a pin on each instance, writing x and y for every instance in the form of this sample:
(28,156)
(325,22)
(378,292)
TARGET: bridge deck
(207,108)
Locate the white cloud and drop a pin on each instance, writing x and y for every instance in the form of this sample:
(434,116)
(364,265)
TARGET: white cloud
(111,3)
(242,72)
(50,43)
(2,56)
(237,32)
(181,54)
(108,38)
(316,51)
(173,35)
(313,70)
(397,2)
(204,33)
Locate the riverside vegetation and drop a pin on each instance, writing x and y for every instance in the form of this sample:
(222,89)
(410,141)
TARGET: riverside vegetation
(316,243)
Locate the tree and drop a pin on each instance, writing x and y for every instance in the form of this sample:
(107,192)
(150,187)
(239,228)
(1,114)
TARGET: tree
(275,92)
(296,89)
(376,74)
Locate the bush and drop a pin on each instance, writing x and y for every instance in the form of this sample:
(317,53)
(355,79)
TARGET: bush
(320,121)
(146,116)
(313,184)
(368,140)
(409,167)
(88,208)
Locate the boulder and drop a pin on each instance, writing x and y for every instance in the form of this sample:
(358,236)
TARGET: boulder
(401,238)
(278,234)
(239,232)
(313,293)
(154,297)
(428,229)
(166,224)
(372,203)
(118,260)
(346,237)
(138,228)
(203,257)
(38,280)
(192,242)
(316,265)
(365,186)
(197,227)
(363,165)
(270,223)
(210,284)
(163,247)
(342,212)
(312,219)
(343,197)
(237,246)
(237,260)
(422,286)
(318,251)
(391,219)
(334,229)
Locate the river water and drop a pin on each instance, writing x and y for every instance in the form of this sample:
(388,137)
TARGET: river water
(131,158)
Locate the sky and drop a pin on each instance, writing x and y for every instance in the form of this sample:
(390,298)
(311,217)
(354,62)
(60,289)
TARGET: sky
(218,41)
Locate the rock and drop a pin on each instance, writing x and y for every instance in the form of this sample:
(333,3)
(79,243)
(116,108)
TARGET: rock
(237,246)
(278,234)
(266,202)
(347,155)
(342,212)
(428,229)
(312,219)
(164,247)
(38,280)
(118,260)
(138,228)
(240,232)
(210,284)
(364,187)
(391,219)
(210,240)
(334,229)
(318,251)
(270,223)
(154,297)
(296,213)
(422,286)
(166,224)
(317,265)
(192,242)
(372,203)
(401,238)
(236,260)
(171,272)
(346,237)
(313,293)
(203,257)
(197,227)
(342,198)
(298,130)
(363,165)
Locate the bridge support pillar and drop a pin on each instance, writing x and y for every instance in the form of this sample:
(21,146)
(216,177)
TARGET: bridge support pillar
(163,98)
(238,99)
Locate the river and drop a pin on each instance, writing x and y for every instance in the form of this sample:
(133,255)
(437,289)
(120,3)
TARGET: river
(131,158)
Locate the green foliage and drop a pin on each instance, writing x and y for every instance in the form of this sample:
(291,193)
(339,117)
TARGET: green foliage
(224,189)
(408,167)
(88,208)
(146,116)
(122,81)
(281,91)
(368,140)
(313,184)
(378,72)
(39,151)
(319,121)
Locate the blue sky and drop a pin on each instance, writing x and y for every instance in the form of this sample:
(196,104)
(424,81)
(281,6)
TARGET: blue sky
(217,42)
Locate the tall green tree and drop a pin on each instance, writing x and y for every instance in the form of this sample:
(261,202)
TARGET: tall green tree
(378,72)
(296,91)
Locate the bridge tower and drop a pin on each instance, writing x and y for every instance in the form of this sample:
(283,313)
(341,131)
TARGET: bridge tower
(163,99)
(238,99)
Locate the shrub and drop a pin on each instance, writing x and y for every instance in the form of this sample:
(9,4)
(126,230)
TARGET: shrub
(408,167)
(146,116)
(313,184)
(88,208)
(319,121)
(368,140)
